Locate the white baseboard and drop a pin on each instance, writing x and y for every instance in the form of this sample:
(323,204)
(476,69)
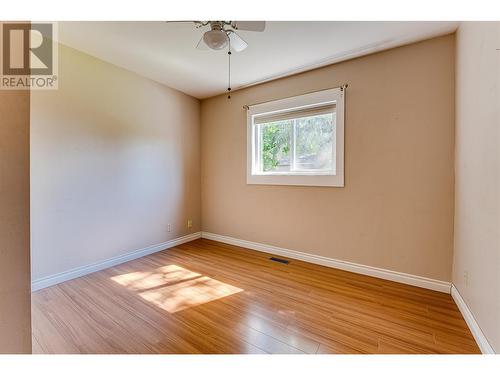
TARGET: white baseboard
(478,334)
(423,282)
(85,270)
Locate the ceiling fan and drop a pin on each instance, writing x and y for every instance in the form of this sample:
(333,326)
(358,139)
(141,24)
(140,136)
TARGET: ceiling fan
(223,34)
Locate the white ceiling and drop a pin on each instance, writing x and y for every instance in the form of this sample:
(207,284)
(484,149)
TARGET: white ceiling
(165,52)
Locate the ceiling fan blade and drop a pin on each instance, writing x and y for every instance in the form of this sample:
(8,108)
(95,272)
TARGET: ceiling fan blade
(237,44)
(249,25)
(182,21)
(197,24)
(202,45)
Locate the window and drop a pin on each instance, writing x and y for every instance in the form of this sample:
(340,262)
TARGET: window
(297,141)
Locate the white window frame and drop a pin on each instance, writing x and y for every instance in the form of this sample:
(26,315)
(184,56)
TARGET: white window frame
(307,178)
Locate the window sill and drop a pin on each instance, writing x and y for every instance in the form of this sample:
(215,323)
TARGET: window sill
(296,180)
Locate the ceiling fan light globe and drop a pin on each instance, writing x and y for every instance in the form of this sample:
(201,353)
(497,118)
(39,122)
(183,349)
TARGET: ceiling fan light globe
(216,39)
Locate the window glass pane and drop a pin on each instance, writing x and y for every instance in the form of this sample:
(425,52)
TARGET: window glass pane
(314,142)
(275,146)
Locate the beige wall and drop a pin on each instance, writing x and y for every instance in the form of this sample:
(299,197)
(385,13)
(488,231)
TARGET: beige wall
(15,308)
(396,210)
(477,169)
(114,159)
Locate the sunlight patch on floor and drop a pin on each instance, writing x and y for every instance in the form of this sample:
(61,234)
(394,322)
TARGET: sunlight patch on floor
(174,288)
(151,279)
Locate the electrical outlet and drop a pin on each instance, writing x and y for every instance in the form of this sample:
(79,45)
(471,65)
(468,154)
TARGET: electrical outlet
(169,227)
(190,223)
(466,278)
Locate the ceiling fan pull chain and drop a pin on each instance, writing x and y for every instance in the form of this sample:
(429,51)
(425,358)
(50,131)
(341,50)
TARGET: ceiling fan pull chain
(229,75)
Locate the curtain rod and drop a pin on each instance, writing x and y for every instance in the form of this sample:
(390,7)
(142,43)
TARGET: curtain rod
(342,88)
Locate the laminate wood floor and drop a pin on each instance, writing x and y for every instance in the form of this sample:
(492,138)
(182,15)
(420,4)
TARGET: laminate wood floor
(209,297)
